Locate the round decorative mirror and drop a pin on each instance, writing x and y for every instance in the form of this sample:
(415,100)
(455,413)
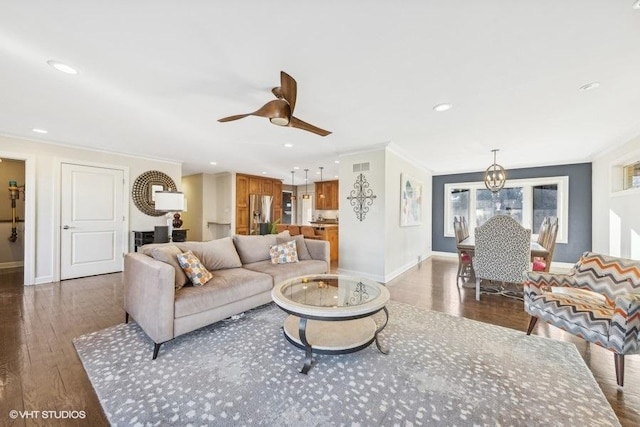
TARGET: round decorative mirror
(144,188)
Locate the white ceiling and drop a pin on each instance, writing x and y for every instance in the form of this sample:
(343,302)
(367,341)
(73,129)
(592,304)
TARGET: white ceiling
(156,75)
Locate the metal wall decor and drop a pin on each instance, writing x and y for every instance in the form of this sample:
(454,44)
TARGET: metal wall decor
(144,188)
(361,197)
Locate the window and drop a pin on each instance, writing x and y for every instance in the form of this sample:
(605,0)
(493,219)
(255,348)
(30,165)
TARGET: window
(460,202)
(545,203)
(528,201)
(631,176)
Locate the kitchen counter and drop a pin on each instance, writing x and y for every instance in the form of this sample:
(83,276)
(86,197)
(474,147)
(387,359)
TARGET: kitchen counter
(327,231)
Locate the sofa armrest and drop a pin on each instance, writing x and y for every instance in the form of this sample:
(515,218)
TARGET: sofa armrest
(319,249)
(535,283)
(149,295)
(624,331)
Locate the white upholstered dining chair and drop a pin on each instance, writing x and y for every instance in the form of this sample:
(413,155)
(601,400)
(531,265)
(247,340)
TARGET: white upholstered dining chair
(502,251)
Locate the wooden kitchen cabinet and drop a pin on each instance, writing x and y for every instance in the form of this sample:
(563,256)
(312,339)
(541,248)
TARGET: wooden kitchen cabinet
(250,184)
(330,234)
(277,199)
(331,193)
(242,204)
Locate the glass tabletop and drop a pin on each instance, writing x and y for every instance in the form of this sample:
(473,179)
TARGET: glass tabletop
(330,291)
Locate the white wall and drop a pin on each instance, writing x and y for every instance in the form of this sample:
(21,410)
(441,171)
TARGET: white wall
(405,246)
(47,159)
(362,246)
(378,247)
(616,214)
(192,186)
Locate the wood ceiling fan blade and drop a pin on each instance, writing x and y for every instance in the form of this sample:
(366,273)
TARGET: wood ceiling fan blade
(278,111)
(289,89)
(297,123)
(236,117)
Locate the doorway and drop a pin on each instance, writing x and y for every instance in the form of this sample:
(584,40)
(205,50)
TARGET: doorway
(12,217)
(288,214)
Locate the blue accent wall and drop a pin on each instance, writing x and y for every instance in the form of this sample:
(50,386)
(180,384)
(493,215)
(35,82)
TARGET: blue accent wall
(579,236)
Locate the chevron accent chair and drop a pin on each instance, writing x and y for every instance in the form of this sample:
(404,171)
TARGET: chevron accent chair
(502,251)
(598,300)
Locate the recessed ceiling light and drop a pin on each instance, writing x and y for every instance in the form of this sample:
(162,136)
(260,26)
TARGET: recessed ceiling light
(590,86)
(40,130)
(62,67)
(296,167)
(442,107)
(213,163)
(336,176)
(288,145)
(264,173)
(336,162)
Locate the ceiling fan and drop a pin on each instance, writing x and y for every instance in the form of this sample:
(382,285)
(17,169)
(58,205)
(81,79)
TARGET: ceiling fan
(280,111)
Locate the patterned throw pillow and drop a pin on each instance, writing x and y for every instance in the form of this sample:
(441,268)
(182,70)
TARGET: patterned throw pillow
(194,269)
(283,253)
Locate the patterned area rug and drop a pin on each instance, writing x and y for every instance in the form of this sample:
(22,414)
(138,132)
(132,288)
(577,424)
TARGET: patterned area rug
(441,370)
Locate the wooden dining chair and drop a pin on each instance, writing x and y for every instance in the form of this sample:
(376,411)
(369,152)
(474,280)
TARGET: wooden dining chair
(465,227)
(465,267)
(543,230)
(549,243)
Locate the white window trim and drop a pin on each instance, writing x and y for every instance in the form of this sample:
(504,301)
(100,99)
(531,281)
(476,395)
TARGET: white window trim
(616,175)
(527,214)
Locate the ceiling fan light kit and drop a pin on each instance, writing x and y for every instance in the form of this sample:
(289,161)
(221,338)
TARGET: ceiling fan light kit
(280,111)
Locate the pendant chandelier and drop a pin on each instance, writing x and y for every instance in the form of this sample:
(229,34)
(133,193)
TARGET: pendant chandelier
(293,194)
(321,195)
(495,176)
(306,181)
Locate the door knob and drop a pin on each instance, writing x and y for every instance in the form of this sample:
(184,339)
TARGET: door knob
(66,227)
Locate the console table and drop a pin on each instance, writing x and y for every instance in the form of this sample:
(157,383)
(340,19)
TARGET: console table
(145,237)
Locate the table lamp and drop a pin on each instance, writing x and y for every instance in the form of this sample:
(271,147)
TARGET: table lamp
(170,202)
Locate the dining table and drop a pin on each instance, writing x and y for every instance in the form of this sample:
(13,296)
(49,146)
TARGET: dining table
(537,250)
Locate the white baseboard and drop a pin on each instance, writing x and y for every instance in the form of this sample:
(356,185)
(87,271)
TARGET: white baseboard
(445,254)
(43,279)
(387,277)
(354,273)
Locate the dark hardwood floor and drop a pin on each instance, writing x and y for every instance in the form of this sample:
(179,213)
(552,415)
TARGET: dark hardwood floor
(40,370)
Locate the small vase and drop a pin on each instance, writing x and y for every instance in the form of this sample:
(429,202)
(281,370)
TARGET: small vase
(177,222)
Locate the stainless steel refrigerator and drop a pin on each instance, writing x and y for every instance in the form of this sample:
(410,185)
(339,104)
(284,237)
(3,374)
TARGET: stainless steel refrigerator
(259,213)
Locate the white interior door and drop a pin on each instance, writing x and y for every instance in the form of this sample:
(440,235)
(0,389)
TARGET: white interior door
(92,220)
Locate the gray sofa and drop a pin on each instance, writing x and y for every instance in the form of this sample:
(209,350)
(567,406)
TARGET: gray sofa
(159,298)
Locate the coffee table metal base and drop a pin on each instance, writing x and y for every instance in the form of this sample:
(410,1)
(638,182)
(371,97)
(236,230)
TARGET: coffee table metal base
(332,337)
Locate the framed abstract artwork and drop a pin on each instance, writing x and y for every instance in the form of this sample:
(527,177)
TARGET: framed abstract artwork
(410,201)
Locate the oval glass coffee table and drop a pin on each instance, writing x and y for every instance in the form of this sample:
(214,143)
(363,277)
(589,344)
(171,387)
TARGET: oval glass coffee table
(331,314)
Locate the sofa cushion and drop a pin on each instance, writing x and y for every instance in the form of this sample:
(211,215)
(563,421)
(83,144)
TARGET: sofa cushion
(282,272)
(169,254)
(283,253)
(226,287)
(254,248)
(215,254)
(576,313)
(193,268)
(301,245)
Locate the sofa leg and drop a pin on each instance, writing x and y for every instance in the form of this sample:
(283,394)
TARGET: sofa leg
(532,324)
(156,349)
(619,360)
(126,317)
